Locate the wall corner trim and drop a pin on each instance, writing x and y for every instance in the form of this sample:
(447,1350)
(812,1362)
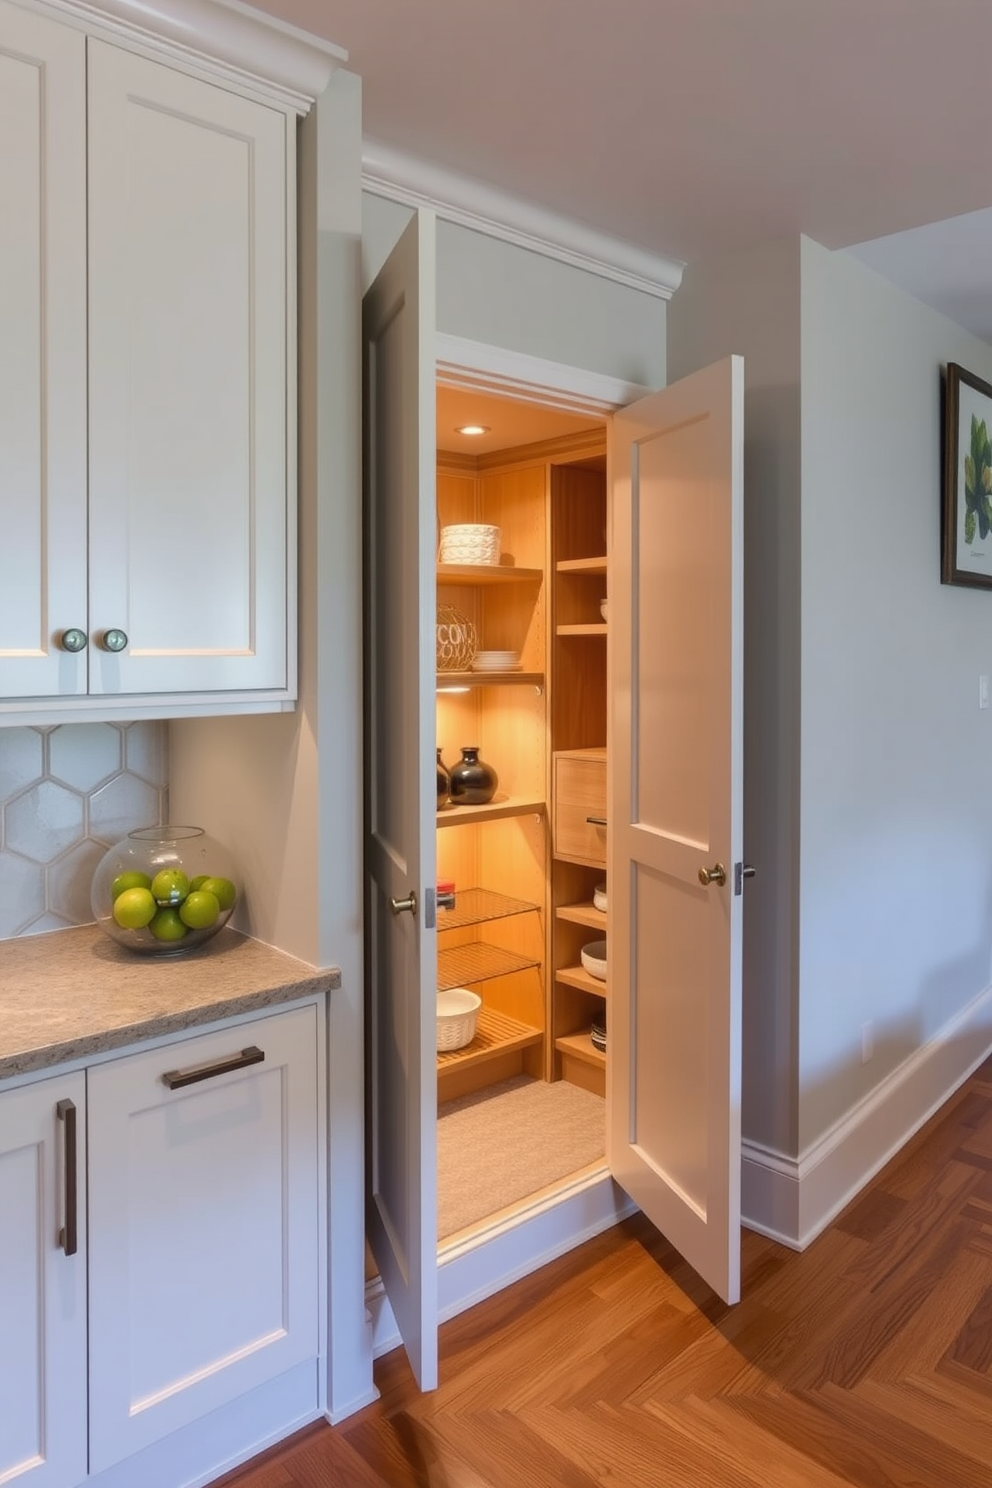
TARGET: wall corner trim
(276,61)
(486,209)
(793,1199)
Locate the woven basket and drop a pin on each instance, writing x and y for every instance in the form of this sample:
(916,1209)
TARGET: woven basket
(457,641)
(457,1010)
(470,542)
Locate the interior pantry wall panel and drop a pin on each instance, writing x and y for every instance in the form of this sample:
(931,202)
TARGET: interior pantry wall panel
(502,295)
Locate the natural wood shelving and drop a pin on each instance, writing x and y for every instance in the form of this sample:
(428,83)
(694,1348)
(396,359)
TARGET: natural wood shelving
(454,816)
(582,630)
(464,965)
(486,573)
(494,1052)
(580,1046)
(495,1033)
(487,679)
(582,565)
(583,914)
(577,976)
(477,906)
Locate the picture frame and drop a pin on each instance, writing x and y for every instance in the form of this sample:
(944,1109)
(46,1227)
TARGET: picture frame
(966,515)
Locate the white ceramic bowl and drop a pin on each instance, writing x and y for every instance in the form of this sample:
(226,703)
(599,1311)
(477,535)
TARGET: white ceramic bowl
(593,958)
(599,897)
(457,1011)
(602,608)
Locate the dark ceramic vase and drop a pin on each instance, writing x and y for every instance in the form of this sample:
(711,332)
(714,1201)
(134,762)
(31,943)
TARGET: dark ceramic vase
(443,782)
(473,782)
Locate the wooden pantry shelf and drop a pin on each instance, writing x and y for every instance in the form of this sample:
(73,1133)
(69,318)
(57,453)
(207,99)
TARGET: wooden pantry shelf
(581,630)
(486,573)
(494,810)
(497,1052)
(580,1046)
(582,565)
(495,1034)
(577,976)
(465,965)
(583,914)
(477,906)
(581,1063)
(447,680)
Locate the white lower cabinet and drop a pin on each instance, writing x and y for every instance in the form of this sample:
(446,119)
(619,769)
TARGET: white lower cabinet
(201,1247)
(42,1288)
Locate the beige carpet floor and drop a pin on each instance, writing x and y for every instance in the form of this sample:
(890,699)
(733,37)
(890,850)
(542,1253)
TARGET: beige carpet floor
(499,1145)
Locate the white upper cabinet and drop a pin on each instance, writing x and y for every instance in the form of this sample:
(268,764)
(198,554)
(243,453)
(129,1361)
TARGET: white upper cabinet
(187,382)
(42,354)
(147,380)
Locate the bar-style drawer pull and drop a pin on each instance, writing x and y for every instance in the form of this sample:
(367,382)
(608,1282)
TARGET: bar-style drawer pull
(65,1110)
(175,1079)
(596,821)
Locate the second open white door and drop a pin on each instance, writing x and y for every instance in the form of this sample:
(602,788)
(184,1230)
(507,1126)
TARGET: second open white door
(675,813)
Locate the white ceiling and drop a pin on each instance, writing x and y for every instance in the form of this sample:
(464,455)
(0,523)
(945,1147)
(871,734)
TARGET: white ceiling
(692,127)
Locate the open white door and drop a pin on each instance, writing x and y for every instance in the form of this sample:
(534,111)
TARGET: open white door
(675,813)
(401,941)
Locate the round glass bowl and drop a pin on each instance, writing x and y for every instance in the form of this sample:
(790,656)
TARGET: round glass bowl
(164,890)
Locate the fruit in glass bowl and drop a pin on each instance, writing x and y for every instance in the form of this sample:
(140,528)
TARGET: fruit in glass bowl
(163,890)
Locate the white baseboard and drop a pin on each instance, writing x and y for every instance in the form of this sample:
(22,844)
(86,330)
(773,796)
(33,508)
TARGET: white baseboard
(793,1199)
(511,1247)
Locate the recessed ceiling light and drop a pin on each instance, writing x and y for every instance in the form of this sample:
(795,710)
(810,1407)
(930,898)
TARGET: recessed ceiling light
(473,429)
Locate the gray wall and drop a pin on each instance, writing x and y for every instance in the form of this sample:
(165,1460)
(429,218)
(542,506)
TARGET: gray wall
(865,746)
(896,856)
(749,303)
(501,295)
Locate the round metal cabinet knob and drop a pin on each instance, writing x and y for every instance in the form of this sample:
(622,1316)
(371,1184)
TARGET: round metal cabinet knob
(73,640)
(114,640)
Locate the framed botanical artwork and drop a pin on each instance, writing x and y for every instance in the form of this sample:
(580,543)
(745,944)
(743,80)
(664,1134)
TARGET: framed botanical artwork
(966,529)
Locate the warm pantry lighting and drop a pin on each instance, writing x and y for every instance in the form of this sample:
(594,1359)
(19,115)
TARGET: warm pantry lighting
(473,429)
(454,689)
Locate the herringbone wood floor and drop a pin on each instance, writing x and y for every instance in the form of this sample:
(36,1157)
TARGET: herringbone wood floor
(865,1361)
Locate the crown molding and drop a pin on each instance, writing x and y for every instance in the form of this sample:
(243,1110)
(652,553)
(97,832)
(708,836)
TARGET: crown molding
(419,183)
(260,54)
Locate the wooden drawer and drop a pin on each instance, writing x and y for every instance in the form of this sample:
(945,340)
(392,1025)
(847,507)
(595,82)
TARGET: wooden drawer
(579,793)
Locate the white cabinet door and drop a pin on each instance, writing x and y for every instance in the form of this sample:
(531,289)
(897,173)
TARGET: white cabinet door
(42,354)
(675,813)
(203,1226)
(188,282)
(401,800)
(42,1287)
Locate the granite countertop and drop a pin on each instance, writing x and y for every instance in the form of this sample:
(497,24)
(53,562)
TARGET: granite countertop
(73,993)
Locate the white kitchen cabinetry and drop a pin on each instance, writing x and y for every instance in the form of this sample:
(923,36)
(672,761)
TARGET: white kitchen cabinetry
(198,1238)
(42,1287)
(203,1226)
(147,335)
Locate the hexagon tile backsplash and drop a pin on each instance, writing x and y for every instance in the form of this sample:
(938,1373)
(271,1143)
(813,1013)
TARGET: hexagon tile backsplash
(67,794)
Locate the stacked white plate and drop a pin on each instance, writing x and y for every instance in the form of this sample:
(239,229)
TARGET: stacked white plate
(470,542)
(496,661)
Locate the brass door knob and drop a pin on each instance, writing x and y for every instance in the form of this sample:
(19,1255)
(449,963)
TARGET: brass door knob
(409,904)
(717,874)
